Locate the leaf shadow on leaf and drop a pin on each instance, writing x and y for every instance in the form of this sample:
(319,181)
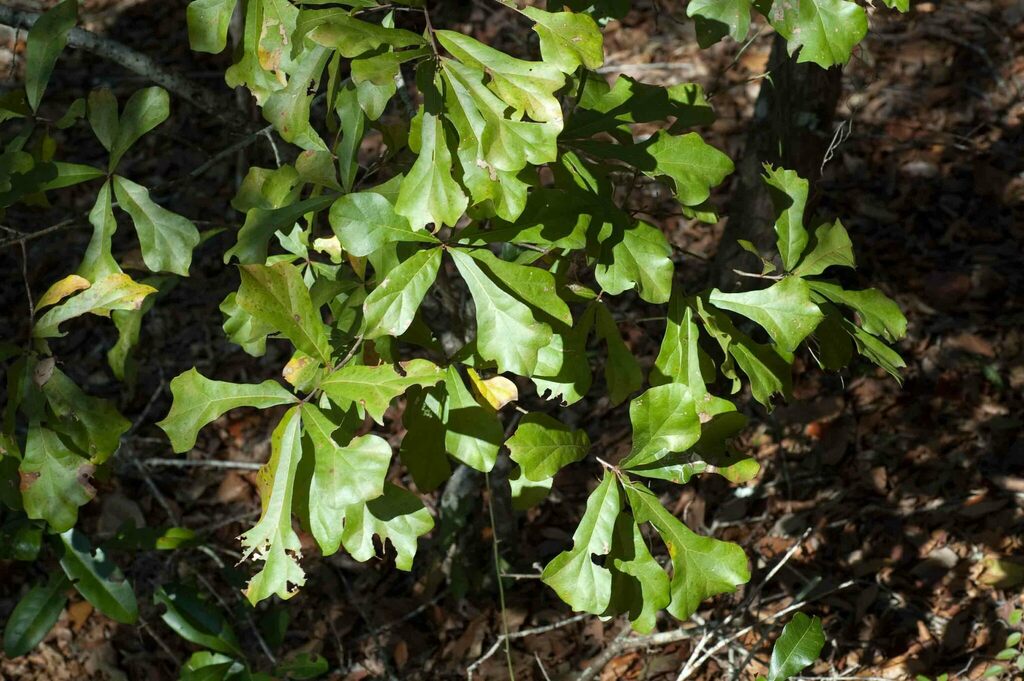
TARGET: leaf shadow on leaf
(643,103)
(472,422)
(389,507)
(540,314)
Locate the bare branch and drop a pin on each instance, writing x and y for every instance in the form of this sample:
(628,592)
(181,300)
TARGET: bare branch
(136,62)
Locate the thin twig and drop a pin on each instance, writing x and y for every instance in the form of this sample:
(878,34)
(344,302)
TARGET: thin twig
(404,618)
(544,672)
(497,572)
(159,641)
(28,288)
(203,463)
(523,633)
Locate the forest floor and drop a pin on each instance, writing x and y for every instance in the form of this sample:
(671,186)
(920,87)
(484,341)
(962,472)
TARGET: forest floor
(892,512)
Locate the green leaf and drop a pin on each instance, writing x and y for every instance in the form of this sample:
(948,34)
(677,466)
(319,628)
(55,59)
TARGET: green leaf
(144,110)
(207,666)
(195,620)
(797,648)
(610,108)
(242,328)
(835,347)
(265,48)
(637,256)
(767,367)
(702,566)
(373,387)
(714,19)
(533,285)
(272,539)
(277,296)
(640,586)
(316,167)
(508,331)
(99,261)
(113,292)
(664,420)
(563,367)
(876,350)
(825,31)
(46,40)
(54,479)
(711,453)
(879,315)
(504,143)
(429,193)
(574,575)
(287,109)
(423,448)
(526,493)
(374,77)
(542,446)
(364,222)
(102,114)
(784,310)
(788,193)
(499,192)
(473,432)
(94,425)
(166,238)
(622,372)
(391,307)
(35,614)
(262,223)
(351,37)
(70,174)
(680,358)
(198,400)
(693,165)
(567,39)
(524,85)
(343,476)
(208,22)
(832,246)
(352,128)
(398,516)
(97,578)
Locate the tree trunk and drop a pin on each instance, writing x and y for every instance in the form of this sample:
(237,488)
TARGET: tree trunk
(792,127)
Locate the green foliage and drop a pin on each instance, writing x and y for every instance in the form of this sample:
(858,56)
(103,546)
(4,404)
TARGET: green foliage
(820,31)
(487,239)
(97,578)
(34,616)
(1009,662)
(797,648)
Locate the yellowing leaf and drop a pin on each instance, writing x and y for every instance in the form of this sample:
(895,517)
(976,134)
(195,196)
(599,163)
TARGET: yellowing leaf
(114,292)
(496,391)
(62,289)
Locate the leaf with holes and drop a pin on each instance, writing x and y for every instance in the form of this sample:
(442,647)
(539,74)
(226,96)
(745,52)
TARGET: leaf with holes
(342,476)
(272,539)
